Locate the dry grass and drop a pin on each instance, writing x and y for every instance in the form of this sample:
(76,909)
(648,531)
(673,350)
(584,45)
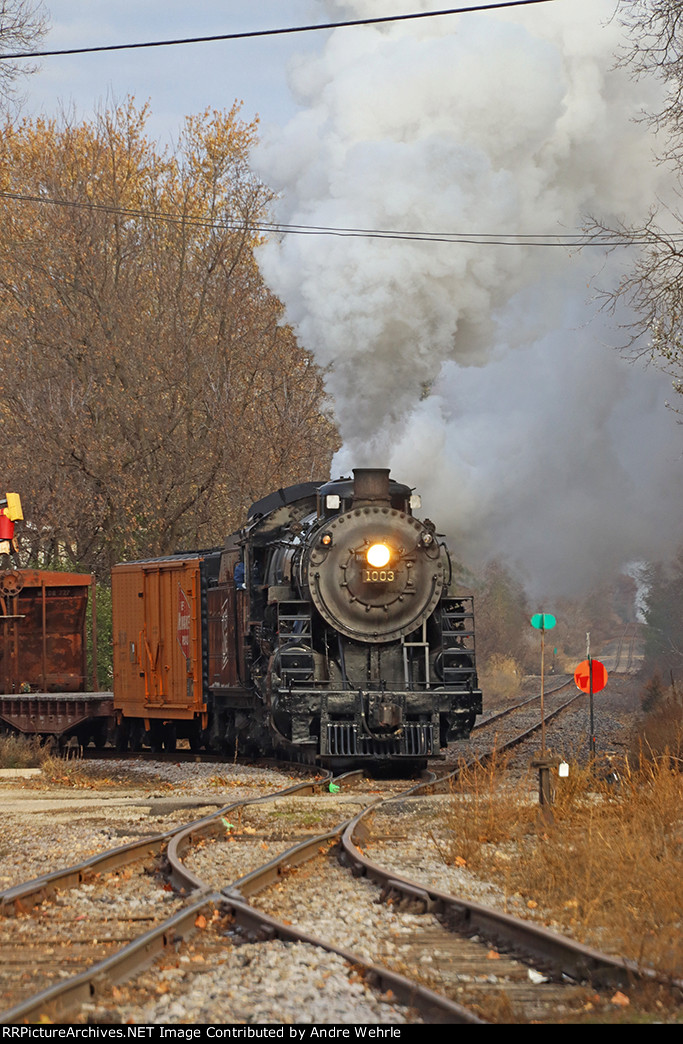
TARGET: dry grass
(660,732)
(501,677)
(18,752)
(605,867)
(66,771)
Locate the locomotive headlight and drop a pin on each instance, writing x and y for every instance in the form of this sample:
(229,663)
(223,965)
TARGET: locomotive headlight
(378,555)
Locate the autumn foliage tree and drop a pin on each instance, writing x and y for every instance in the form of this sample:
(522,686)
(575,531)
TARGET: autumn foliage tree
(148,392)
(503,613)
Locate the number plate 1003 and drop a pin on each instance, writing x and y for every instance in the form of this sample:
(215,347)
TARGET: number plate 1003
(378,576)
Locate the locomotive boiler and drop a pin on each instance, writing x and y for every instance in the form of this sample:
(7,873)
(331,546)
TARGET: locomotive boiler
(326,628)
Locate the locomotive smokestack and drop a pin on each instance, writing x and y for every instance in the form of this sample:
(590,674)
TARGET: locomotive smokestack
(370,486)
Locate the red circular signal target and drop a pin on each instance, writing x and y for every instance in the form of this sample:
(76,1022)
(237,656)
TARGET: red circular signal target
(598,673)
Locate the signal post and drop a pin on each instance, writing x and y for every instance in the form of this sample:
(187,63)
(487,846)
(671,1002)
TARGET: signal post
(591,677)
(545,760)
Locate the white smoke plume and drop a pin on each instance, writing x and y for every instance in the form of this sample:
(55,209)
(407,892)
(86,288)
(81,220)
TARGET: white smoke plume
(482,374)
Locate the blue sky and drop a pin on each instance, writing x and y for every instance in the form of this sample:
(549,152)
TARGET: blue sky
(177,81)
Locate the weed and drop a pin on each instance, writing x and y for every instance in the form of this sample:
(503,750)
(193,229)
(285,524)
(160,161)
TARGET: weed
(605,868)
(21,752)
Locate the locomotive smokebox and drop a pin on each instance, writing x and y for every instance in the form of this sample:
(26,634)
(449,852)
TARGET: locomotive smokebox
(370,486)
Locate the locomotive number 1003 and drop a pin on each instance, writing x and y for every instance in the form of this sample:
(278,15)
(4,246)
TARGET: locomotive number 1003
(382,576)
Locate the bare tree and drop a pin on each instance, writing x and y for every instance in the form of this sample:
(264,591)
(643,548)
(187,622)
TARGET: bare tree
(22,24)
(655,48)
(653,287)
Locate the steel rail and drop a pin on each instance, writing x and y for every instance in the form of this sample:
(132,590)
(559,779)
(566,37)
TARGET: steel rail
(432,1006)
(445,782)
(537,944)
(573,959)
(492,718)
(56,1002)
(522,736)
(59,1000)
(212,826)
(20,898)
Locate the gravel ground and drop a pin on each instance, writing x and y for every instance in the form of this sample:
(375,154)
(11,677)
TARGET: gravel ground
(47,826)
(43,828)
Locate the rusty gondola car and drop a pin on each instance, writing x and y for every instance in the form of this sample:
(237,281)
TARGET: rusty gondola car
(46,689)
(326,629)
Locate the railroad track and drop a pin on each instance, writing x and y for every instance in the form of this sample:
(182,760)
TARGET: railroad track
(94,958)
(625,655)
(71,921)
(240,878)
(557,699)
(440,970)
(518,727)
(443,966)
(72,930)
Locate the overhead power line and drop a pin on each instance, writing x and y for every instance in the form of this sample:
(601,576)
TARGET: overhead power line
(567,240)
(255,33)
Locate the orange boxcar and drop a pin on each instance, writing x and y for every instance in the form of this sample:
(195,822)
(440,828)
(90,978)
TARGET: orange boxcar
(160,661)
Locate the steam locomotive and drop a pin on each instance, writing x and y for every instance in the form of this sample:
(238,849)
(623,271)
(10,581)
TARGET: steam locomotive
(325,629)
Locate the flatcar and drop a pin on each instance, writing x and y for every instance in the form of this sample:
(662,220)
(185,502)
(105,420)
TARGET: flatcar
(326,629)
